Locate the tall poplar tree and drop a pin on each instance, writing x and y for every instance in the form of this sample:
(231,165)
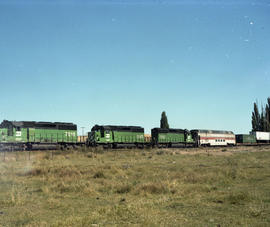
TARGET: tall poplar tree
(262,121)
(267,115)
(164,121)
(255,118)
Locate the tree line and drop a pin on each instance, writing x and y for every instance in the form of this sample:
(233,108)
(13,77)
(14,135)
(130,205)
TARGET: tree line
(261,119)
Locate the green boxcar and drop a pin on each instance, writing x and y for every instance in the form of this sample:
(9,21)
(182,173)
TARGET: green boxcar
(169,137)
(245,138)
(31,132)
(112,135)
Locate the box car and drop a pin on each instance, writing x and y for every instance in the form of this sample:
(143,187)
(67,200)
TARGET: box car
(112,135)
(213,137)
(245,138)
(168,137)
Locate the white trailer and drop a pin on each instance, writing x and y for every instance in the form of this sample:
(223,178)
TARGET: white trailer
(262,136)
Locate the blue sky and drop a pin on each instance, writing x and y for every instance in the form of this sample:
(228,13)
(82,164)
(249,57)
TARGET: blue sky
(124,62)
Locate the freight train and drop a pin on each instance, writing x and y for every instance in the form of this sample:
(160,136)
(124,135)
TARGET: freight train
(30,134)
(112,136)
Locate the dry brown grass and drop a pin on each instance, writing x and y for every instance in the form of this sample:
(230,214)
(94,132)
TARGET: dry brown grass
(166,187)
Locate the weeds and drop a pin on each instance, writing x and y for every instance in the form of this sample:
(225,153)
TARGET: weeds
(136,187)
(123,189)
(153,188)
(99,174)
(34,172)
(238,198)
(161,152)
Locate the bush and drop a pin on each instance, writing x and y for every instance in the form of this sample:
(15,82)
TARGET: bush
(123,189)
(160,152)
(153,188)
(238,198)
(33,172)
(99,174)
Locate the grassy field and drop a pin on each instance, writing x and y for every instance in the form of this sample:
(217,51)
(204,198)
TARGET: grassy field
(174,187)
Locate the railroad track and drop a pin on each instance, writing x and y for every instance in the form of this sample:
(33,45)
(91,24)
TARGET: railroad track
(57,147)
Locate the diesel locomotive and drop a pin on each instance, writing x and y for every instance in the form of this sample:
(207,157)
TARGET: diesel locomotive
(112,136)
(26,134)
(169,137)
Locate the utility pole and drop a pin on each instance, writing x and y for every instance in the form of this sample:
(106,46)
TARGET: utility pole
(82,138)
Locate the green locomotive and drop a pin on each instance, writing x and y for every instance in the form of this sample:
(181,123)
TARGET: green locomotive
(25,134)
(112,136)
(169,137)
